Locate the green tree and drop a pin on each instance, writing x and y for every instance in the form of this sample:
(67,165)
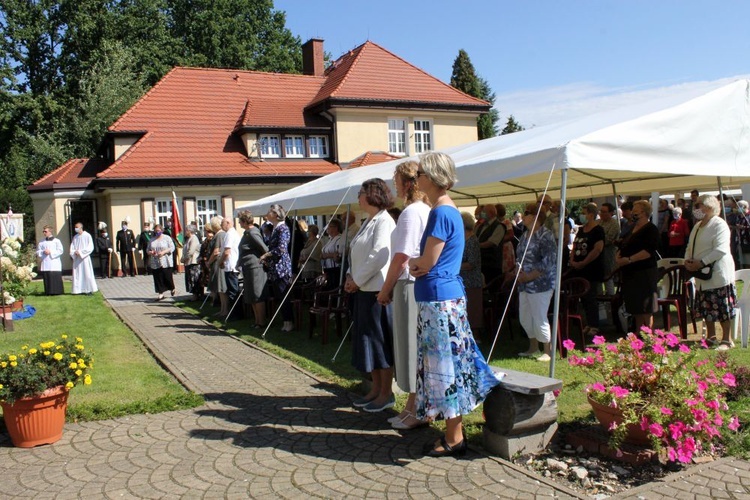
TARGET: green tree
(144,27)
(511,126)
(244,34)
(487,122)
(464,77)
(69,68)
(107,90)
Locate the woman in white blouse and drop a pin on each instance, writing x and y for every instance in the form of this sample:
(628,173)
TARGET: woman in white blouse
(372,341)
(708,248)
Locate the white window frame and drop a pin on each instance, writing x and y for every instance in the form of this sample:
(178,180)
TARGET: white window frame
(163,210)
(270,146)
(317,146)
(294,146)
(203,217)
(397,143)
(423,136)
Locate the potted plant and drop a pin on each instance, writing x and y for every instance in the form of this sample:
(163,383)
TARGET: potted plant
(655,384)
(16,272)
(34,385)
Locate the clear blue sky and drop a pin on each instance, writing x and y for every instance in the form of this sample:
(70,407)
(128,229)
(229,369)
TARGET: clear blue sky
(546,60)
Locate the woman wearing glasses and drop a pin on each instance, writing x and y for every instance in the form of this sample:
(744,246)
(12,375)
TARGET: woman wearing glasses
(537,263)
(452,375)
(372,341)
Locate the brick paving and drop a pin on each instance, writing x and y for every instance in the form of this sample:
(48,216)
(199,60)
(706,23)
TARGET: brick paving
(269,429)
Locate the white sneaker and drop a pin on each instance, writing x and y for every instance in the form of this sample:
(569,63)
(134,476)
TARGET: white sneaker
(544,357)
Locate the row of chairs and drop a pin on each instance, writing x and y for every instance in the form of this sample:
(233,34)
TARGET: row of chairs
(322,305)
(678,291)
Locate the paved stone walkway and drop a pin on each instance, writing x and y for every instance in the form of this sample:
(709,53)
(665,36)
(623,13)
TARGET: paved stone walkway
(271,430)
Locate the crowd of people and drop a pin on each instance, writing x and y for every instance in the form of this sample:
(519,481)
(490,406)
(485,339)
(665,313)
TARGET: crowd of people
(415,276)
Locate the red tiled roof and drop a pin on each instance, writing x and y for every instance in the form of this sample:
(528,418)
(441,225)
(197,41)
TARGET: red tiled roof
(190,116)
(189,124)
(75,173)
(371,158)
(372,73)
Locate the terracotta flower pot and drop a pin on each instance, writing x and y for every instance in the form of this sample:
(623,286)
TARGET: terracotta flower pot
(37,420)
(606,415)
(15,306)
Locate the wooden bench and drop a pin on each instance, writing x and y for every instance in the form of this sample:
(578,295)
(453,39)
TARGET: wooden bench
(520,414)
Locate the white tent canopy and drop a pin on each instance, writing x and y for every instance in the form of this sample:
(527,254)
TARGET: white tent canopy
(680,142)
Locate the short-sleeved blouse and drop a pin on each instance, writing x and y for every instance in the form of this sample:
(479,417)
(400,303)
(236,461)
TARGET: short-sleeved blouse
(443,281)
(583,244)
(406,237)
(541,255)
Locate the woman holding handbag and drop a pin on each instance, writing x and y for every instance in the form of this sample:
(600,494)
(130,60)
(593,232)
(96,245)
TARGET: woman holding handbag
(709,259)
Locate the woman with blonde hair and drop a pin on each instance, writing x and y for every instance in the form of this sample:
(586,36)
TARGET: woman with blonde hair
(399,287)
(453,377)
(709,257)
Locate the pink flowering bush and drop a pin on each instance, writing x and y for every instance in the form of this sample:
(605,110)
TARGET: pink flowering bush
(660,386)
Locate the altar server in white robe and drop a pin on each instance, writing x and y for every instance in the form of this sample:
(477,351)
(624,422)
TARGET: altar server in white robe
(49,251)
(83,271)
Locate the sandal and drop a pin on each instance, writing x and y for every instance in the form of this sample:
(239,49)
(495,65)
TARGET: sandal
(457,450)
(725,345)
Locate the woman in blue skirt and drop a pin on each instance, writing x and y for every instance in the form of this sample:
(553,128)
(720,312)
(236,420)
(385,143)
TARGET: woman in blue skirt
(452,376)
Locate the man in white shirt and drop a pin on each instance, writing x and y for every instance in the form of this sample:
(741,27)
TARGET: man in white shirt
(83,271)
(228,263)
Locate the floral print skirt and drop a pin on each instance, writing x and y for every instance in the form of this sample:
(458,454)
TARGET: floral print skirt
(452,376)
(717,304)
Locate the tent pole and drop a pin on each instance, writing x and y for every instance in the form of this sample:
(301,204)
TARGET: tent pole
(558,279)
(617,207)
(721,198)
(346,245)
(293,230)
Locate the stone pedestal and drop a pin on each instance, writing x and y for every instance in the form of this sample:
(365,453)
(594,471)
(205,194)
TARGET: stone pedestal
(508,447)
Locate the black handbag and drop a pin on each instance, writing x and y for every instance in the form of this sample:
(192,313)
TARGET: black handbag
(705,272)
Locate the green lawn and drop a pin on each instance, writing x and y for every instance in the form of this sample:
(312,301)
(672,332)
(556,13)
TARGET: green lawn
(572,405)
(126,378)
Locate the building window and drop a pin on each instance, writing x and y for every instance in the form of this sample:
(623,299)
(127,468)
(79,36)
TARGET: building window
(318,146)
(163,211)
(397,136)
(294,146)
(422,136)
(205,208)
(269,146)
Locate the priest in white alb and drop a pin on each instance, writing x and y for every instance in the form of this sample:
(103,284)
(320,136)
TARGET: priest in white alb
(83,271)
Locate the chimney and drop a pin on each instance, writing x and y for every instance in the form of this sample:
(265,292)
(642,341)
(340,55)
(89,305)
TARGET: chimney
(312,57)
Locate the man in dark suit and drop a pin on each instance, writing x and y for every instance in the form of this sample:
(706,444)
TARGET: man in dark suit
(125,245)
(146,235)
(104,247)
